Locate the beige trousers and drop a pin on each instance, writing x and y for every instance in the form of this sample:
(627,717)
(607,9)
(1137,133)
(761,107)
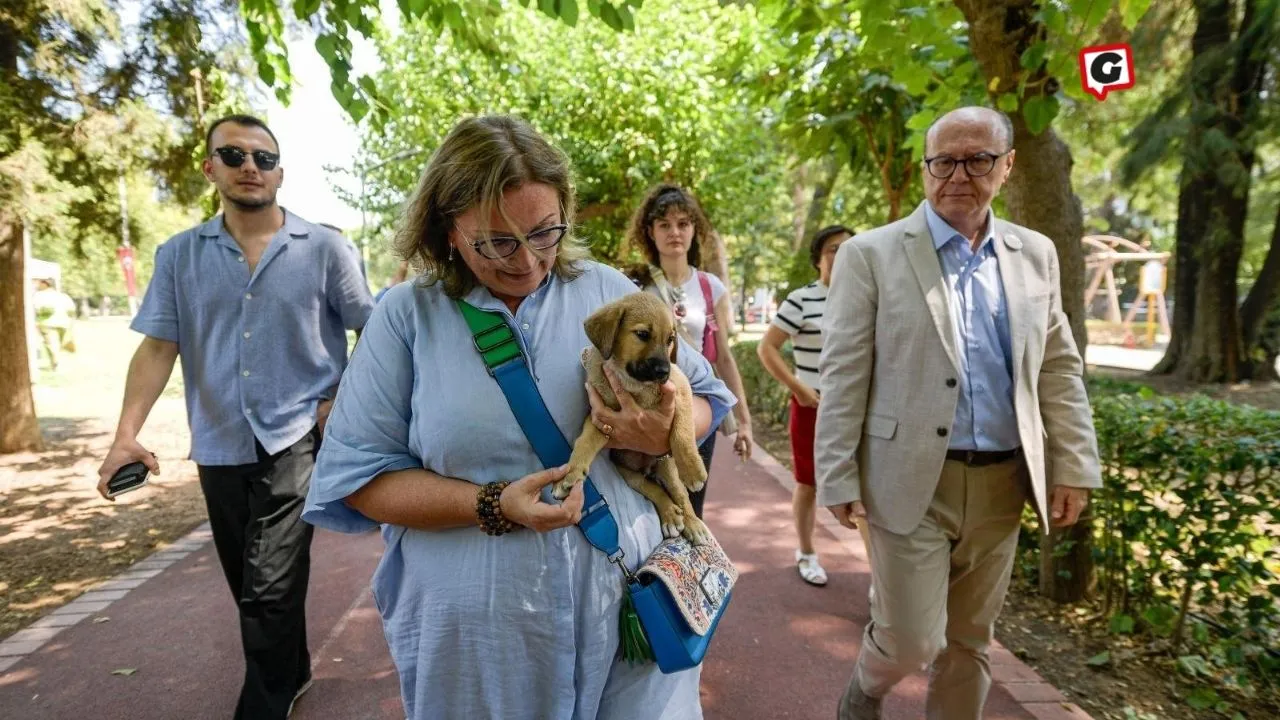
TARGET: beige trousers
(939,589)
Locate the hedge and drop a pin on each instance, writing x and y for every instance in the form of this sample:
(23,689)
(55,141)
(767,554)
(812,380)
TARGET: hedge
(1187,524)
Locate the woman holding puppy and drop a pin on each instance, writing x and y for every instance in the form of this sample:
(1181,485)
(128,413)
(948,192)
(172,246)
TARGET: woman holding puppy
(670,227)
(493,603)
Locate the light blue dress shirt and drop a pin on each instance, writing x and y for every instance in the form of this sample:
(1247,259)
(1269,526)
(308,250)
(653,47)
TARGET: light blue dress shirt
(985,416)
(258,351)
(523,626)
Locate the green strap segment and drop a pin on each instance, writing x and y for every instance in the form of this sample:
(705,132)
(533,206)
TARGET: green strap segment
(490,334)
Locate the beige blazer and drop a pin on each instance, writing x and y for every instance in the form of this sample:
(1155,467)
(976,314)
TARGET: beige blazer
(889,362)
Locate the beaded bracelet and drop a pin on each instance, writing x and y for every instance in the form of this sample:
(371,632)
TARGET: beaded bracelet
(489,509)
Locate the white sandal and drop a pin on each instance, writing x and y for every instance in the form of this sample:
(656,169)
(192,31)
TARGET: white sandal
(809,568)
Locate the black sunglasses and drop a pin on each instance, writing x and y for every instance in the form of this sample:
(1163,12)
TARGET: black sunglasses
(233,157)
(500,246)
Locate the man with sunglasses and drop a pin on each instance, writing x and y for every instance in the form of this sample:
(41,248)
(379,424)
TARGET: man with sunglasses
(256,302)
(952,394)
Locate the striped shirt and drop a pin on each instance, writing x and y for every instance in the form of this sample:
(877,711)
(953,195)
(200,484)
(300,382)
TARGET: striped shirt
(800,316)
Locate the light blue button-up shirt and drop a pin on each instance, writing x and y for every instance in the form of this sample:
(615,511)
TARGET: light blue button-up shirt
(985,416)
(523,626)
(258,351)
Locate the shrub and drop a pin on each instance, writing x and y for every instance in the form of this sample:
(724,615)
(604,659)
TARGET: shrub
(767,397)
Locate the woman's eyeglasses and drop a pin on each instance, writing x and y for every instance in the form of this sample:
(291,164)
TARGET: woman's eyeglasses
(234,157)
(501,246)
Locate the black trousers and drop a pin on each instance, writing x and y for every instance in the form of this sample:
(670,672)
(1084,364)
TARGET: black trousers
(705,451)
(264,547)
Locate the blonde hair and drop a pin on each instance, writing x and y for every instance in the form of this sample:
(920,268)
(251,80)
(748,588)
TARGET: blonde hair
(481,159)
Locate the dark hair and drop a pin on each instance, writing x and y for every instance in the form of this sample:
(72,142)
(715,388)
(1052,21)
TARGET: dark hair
(661,200)
(821,237)
(246,120)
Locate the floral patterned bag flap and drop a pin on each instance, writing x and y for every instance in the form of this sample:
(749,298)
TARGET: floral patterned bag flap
(699,577)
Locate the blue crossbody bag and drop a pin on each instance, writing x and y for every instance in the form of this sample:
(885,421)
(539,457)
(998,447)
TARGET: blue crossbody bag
(673,602)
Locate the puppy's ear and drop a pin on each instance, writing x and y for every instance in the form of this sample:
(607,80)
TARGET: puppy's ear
(602,328)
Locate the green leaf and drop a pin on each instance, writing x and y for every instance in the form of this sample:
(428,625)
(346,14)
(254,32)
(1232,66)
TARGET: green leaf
(453,16)
(922,119)
(367,84)
(913,76)
(327,47)
(355,14)
(1039,112)
(1203,698)
(417,8)
(343,92)
(569,12)
(1131,11)
(1092,12)
(304,9)
(1008,102)
(1100,660)
(1122,624)
(1033,56)
(358,108)
(610,16)
(548,8)
(268,73)
(628,20)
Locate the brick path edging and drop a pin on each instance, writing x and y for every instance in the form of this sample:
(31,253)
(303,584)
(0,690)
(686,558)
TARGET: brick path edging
(97,598)
(1028,689)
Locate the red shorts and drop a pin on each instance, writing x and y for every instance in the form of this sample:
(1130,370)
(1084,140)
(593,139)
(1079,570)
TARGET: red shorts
(802,424)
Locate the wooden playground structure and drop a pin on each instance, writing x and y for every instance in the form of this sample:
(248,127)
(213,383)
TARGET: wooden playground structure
(1102,254)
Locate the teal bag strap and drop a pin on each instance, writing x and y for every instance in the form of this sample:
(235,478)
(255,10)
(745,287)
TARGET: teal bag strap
(505,361)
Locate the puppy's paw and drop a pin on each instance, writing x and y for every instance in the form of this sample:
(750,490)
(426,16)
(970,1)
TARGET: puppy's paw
(672,517)
(696,532)
(564,486)
(696,480)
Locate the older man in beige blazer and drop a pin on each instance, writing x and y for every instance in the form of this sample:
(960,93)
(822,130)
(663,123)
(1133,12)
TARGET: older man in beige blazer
(952,394)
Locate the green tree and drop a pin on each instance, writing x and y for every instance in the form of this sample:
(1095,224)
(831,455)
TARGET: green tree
(471,23)
(630,109)
(1214,122)
(73,83)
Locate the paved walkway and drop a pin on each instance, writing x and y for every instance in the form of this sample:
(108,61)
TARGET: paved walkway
(160,641)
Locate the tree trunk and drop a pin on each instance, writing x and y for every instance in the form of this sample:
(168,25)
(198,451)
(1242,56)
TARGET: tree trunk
(799,205)
(1039,196)
(20,429)
(1226,85)
(826,179)
(1261,299)
(1192,225)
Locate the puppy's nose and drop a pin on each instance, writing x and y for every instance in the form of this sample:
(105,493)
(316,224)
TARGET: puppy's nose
(661,369)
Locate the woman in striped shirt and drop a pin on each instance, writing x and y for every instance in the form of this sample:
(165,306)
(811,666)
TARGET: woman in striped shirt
(799,320)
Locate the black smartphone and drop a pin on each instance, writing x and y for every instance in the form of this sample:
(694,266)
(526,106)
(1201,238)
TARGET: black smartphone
(130,477)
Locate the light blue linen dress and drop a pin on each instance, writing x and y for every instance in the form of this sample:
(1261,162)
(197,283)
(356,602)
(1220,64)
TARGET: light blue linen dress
(522,626)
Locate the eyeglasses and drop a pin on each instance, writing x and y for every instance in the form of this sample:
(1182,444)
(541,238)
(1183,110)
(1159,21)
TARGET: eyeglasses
(944,166)
(233,157)
(500,246)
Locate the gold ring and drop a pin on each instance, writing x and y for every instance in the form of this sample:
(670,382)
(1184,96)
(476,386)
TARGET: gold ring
(607,429)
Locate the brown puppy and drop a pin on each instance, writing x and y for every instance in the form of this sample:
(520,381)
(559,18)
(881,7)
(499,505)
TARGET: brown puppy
(635,335)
